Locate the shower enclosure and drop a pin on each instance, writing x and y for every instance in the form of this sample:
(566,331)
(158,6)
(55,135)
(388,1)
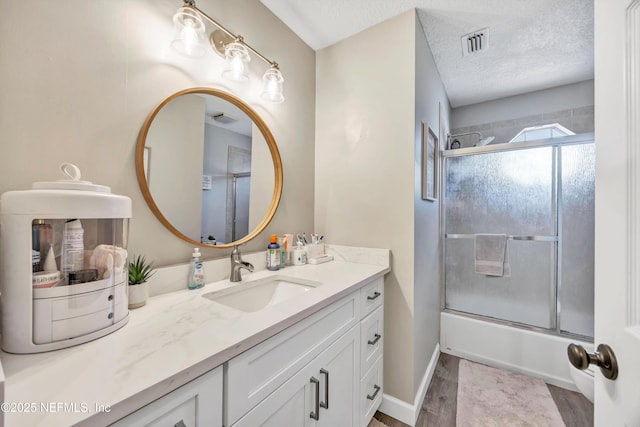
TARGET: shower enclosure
(541,196)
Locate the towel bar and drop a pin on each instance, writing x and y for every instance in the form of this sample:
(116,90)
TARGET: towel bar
(509,237)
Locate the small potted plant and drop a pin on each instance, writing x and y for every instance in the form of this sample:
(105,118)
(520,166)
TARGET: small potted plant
(139,273)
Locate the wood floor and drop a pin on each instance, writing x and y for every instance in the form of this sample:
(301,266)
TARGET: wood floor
(440,403)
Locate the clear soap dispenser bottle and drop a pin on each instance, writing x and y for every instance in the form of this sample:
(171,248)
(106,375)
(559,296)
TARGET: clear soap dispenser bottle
(196,271)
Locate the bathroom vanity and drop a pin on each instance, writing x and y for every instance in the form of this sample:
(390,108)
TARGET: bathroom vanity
(215,357)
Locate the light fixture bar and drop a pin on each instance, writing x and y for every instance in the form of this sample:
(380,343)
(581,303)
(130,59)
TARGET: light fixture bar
(192,5)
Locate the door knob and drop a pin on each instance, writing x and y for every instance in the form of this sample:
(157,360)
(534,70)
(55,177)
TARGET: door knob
(603,357)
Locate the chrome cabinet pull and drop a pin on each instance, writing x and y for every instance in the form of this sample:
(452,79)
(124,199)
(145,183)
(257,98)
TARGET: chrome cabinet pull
(325,404)
(375,295)
(180,424)
(375,339)
(375,393)
(316,414)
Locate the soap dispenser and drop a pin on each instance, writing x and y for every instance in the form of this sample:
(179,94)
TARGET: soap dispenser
(196,271)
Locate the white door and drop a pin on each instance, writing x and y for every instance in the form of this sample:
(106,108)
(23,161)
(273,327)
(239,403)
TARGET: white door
(617,231)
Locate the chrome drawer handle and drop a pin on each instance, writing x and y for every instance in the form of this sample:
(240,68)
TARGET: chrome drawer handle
(316,414)
(375,339)
(376,294)
(325,404)
(180,424)
(375,393)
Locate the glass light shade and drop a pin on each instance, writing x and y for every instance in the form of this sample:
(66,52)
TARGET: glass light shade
(236,62)
(188,32)
(273,86)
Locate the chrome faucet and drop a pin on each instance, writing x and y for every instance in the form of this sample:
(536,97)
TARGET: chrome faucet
(237,264)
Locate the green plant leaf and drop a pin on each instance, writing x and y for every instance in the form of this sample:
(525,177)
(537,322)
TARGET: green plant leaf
(140,270)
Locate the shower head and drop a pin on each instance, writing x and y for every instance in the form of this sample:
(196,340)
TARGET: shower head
(482,140)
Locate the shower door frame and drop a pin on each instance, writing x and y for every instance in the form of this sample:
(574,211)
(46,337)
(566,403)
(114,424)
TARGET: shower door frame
(554,143)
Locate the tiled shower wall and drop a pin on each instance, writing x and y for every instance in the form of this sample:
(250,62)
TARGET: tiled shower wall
(578,120)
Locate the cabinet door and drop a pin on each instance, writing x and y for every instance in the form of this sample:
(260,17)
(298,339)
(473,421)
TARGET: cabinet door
(297,403)
(290,405)
(339,380)
(197,403)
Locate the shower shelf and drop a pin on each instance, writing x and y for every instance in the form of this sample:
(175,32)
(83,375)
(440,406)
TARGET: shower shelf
(509,237)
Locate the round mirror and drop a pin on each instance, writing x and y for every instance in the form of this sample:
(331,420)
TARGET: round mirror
(209,168)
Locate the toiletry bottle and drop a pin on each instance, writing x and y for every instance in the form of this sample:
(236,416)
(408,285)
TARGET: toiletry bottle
(36,261)
(300,255)
(72,248)
(273,254)
(196,271)
(282,241)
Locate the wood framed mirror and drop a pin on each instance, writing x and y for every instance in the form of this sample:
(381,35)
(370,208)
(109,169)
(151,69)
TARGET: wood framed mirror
(209,168)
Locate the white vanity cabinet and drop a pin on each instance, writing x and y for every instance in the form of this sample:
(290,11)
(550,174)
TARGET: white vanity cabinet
(371,347)
(323,393)
(197,403)
(322,371)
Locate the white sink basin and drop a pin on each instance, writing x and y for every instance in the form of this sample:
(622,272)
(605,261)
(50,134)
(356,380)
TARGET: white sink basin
(258,294)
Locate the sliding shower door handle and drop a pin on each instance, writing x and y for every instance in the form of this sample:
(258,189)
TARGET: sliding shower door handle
(316,414)
(325,404)
(605,358)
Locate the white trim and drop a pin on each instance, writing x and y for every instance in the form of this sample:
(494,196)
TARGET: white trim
(398,409)
(403,411)
(633,174)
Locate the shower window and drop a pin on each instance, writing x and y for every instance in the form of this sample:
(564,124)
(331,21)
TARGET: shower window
(536,133)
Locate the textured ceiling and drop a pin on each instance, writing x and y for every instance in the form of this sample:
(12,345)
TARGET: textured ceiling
(533,44)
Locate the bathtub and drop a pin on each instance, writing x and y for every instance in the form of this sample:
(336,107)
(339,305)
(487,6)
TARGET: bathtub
(537,354)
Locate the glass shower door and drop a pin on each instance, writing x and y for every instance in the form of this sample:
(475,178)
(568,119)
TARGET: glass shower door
(542,198)
(511,193)
(577,221)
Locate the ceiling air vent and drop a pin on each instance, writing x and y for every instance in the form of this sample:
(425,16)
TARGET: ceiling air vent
(475,42)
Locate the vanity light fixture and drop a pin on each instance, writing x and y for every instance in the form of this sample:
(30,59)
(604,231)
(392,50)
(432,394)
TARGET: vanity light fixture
(189,34)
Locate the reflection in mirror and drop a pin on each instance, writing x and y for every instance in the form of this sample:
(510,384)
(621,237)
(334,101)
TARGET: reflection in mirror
(209,168)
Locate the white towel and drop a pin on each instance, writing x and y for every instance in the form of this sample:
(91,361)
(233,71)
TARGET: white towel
(490,252)
(108,260)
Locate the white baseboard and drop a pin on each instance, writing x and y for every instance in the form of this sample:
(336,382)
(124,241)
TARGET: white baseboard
(406,412)
(398,409)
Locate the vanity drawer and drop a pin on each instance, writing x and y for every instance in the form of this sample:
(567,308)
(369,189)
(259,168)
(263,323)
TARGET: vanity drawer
(371,296)
(256,373)
(371,392)
(197,403)
(371,340)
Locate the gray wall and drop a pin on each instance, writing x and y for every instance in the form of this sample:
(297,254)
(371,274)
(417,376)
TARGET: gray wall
(176,143)
(432,107)
(214,201)
(569,105)
(78,85)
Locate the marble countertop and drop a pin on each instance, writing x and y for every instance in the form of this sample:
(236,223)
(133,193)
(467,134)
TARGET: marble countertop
(170,341)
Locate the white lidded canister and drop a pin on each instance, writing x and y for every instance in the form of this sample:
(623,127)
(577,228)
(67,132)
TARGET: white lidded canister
(42,309)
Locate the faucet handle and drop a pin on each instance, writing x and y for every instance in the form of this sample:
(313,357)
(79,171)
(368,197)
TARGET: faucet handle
(235,253)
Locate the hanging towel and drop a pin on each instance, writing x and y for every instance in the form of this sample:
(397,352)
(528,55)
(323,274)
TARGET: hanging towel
(490,254)
(506,271)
